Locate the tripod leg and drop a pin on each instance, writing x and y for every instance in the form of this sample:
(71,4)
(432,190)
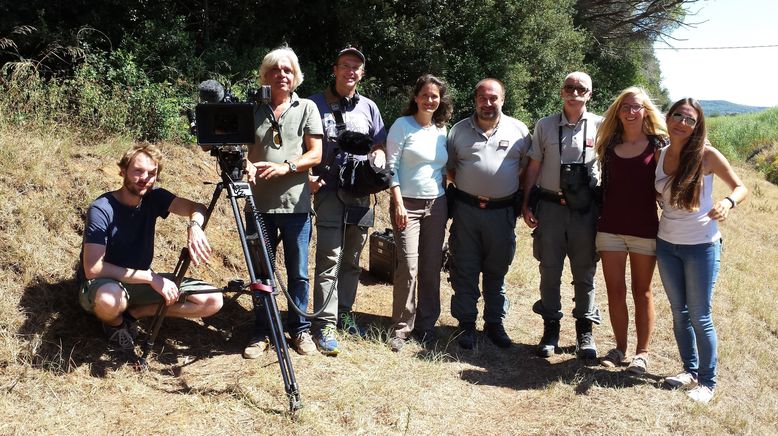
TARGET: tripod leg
(181,267)
(259,265)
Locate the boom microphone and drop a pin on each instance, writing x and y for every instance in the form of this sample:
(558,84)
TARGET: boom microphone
(211,91)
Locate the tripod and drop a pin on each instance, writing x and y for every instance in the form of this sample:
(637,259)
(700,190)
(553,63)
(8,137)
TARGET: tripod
(261,284)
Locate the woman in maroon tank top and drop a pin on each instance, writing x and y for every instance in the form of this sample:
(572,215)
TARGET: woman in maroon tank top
(627,141)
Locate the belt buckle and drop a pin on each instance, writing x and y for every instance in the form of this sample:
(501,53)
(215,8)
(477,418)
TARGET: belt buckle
(562,198)
(482,202)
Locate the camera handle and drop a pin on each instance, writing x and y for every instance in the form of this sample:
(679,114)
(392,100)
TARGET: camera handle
(261,288)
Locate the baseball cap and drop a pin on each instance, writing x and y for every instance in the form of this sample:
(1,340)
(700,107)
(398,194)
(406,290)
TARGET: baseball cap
(352,51)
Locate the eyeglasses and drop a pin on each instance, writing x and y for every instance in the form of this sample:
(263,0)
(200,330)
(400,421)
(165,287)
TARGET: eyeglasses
(276,132)
(570,89)
(681,118)
(353,68)
(631,107)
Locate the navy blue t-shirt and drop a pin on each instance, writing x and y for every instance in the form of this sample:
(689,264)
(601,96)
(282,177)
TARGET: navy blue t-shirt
(127,232)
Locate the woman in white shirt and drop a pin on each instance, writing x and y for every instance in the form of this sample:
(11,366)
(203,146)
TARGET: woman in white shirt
(416,154)
(688,246)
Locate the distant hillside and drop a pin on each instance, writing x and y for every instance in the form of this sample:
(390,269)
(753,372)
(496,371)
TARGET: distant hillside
(723,107)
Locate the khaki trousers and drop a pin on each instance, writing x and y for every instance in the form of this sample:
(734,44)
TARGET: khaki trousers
(419,248)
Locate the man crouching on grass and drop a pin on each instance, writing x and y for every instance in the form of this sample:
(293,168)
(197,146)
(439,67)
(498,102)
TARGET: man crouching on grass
(117,284)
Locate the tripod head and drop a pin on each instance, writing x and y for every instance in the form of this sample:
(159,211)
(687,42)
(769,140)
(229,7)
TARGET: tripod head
(231,159)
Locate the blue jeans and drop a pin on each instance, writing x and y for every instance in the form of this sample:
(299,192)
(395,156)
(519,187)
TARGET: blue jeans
(294,230)
(688,274)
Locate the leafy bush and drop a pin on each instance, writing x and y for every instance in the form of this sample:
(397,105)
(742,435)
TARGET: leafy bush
(751,137)
(107,92)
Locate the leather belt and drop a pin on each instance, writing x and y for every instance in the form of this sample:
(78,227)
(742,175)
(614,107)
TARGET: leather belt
(552,197)
(485,202)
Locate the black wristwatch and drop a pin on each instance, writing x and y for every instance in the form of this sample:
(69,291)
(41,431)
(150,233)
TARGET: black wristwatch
(292,166)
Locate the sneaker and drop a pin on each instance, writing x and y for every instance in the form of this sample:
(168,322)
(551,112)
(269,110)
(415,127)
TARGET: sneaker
(683,380)
(638,366)
(303,343)
(347,323)
(496,332)
(256,347)
(614,358)
(124,335)
(585,348)
(326,341)
(467,336)
(397,343)
(550,340)
(701,394)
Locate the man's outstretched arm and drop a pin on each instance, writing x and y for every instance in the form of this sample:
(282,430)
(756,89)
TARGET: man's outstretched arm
(197,242)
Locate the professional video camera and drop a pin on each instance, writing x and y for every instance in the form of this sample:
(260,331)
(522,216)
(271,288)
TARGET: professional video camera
(223,124)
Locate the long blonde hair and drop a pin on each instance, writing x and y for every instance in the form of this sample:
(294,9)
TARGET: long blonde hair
(610,131)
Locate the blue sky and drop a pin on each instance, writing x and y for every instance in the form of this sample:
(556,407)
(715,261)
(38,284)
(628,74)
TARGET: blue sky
(744,76)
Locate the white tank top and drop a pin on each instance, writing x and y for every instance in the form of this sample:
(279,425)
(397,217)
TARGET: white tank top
(679,226)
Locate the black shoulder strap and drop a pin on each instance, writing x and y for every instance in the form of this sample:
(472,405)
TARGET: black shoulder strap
(333,101)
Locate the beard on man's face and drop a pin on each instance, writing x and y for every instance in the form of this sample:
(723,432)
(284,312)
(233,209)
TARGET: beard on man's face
(134,189)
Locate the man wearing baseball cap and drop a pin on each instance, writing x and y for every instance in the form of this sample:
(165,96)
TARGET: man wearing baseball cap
(339,239)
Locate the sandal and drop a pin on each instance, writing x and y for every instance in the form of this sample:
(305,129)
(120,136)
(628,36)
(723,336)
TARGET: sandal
(612,359)
(638,365)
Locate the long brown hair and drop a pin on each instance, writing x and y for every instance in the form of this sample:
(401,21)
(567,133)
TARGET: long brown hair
(443,113)
(686,183)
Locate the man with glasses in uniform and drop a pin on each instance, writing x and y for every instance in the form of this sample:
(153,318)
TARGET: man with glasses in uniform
(563,163)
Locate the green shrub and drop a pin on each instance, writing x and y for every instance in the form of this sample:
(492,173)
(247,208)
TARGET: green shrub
(108,93)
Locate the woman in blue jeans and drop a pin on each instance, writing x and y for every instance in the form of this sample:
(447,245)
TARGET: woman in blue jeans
(688,244)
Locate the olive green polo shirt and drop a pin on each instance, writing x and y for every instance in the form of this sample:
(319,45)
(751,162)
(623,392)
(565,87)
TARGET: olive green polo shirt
(289,193)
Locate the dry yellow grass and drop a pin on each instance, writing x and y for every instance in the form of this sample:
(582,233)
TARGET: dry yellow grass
(56,377)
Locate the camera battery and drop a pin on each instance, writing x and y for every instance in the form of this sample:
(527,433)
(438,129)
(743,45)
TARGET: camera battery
(382,255)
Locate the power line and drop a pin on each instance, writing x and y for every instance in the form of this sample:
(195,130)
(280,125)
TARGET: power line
(717,48)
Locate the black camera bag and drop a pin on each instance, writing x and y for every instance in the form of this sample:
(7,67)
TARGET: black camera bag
(574,180)
(356,175)
(574,183)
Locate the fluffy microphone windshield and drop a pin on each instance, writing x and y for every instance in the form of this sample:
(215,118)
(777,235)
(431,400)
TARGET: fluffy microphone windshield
(211,91)
(355,142)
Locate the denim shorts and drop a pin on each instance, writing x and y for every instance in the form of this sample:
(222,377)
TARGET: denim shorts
(631,244)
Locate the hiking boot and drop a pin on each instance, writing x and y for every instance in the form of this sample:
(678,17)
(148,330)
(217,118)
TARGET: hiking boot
(348,324)
(585,348)
(124,335)
(256,347)
(326,341)
(467,335)
(397,343)
(683,380)
(426,337)
(496,332)
(550,340)
(303,343)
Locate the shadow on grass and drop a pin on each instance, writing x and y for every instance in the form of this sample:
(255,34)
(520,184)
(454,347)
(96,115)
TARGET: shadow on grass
(62,336)
(518,367)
